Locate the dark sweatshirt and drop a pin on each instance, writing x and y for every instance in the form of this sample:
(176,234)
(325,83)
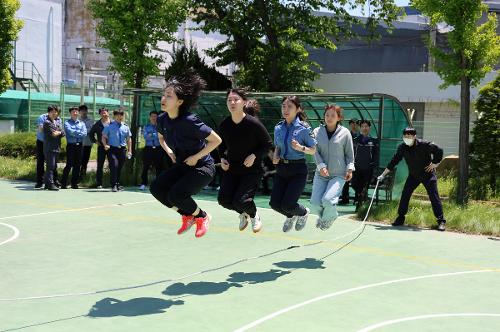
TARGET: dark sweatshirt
(241,140)
(417,157)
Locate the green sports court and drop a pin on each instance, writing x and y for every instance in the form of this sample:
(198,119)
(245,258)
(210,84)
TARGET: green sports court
(93,260)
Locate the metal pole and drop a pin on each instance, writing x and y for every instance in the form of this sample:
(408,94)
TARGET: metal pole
(381,119)
(94,99)
(82,88)
(29,106)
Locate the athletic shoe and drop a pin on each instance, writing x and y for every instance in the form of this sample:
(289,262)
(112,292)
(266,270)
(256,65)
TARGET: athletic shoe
(441,226)
(99,187)
(38,186)
(52,187)
(287,226)
(400,221)
(75,186)
(202,224)
(187,222)
(244,217)
(142,187)
(114,189)
(256,223)
(319,223)
(301,221)
(327,224)
(120,188)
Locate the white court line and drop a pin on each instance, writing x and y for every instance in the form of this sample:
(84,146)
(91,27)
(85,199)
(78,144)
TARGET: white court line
(406,319)
(351,290)
(74,210)
(13,237)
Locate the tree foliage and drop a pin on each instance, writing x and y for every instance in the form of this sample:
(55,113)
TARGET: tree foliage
(186,58)
(474,48)
(132,29)
(268,39)
(9,29)
(485,148)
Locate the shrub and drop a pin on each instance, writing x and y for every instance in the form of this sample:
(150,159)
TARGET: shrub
(18,145)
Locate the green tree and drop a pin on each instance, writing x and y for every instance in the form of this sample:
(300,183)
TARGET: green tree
(485,147)
(268,38)
(9,28)
(131,31)
(186,58)
(473,51)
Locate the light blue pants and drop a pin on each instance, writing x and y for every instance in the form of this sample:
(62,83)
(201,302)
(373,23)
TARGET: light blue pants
(325,196)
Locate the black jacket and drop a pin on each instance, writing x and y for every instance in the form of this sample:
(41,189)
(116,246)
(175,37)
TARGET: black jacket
(97,128)
(365,152)
(417,157)
(52,143)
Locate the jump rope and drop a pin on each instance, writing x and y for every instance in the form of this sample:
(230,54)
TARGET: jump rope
(358,231)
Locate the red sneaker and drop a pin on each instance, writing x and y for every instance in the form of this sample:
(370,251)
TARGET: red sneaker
(202,225)
(187,222)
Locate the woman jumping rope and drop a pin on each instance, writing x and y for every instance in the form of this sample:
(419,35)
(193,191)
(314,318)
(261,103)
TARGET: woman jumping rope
(293,140)
(188,142)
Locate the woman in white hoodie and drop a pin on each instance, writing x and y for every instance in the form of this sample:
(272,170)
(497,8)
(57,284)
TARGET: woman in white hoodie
(334,158)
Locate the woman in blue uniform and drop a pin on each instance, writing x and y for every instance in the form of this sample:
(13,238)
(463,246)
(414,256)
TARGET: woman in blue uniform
(188,142)
(293,140)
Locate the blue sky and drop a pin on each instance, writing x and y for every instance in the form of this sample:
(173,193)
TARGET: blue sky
(398,2)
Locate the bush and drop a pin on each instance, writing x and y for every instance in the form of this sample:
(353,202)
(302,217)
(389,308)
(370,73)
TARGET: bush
(18,145)
(485,147)
(23,145)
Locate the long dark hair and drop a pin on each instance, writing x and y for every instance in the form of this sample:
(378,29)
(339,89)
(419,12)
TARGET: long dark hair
(187,87)
(296,101)
(240,92)
(252,107)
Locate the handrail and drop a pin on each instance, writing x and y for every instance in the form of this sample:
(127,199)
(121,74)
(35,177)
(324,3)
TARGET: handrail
(28,71)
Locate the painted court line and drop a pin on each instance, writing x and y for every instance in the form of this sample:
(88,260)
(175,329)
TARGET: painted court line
(351,290)
(13,237)
(407,319)
(74,210)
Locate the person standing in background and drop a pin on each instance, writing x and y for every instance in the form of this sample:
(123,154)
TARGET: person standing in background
(353,125)
(75,131)
(53,132)
(97,129)
(152,153)
(87,143)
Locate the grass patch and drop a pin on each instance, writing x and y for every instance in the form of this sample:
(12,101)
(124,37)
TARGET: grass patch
(476,218)
(17,168)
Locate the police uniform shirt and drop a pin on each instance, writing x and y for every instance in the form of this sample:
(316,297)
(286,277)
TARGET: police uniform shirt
(185,135)
(117,134)
(297,130)
(40,124)
(151,135)
(75,131)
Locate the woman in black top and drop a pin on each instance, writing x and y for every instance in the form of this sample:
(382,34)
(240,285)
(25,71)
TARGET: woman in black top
(188,142)
(245,141)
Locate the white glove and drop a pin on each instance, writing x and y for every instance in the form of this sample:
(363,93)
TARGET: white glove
(381,177)
(129,155)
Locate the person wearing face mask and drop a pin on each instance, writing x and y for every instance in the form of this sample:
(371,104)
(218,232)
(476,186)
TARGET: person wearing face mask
(422,158)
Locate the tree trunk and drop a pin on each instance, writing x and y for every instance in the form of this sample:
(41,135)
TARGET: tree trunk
(134,122)
(463,140)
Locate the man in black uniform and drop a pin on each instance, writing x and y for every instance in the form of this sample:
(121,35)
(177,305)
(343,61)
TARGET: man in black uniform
(422,158)
(97,129)
(52,132)
(365,161)
(353,125)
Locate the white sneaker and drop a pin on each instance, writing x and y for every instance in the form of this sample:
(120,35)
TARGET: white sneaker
(301,221)
(142,187)
(244,218)
(256,223)
(287,226)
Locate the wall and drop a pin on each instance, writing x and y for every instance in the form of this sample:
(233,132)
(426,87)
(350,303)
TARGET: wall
(40,39)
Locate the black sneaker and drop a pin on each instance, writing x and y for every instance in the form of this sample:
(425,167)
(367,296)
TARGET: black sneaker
(441,226)
(75,186)
(52,187)
(120,188)
(38,186)
(63,186)
(114,189)
(400,221)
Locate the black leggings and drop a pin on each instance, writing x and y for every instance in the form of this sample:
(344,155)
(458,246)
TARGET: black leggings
(288,185)
(175,186)
(237,192)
